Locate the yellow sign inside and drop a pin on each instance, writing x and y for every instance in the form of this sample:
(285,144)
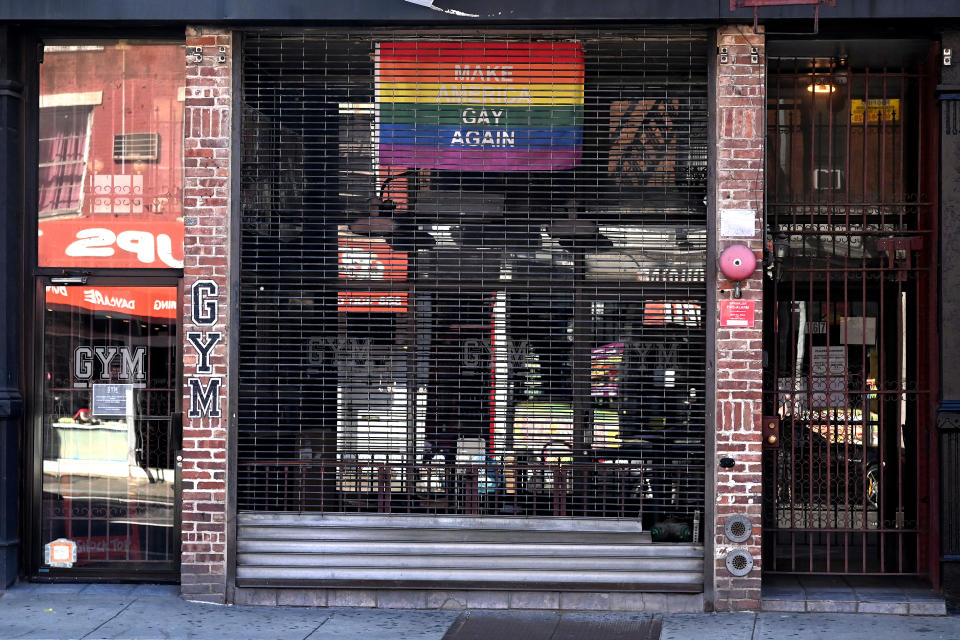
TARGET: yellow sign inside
(890,108)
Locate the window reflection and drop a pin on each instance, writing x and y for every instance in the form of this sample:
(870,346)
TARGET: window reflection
(109,425)
(110,155)
(495,378)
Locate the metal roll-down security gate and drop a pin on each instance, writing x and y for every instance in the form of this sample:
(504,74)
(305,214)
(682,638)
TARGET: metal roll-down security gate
(472,329)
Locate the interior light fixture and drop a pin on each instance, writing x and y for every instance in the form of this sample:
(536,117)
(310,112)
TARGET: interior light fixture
(821,85)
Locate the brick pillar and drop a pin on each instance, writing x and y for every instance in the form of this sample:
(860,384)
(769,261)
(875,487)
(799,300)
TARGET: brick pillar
(741,88)
(206,211)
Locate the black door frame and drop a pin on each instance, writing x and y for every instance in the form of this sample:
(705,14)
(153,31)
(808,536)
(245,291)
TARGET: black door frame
(34,278)
(33,447)
(33,441)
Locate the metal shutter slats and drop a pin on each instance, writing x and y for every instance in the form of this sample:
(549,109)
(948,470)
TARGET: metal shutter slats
(469,299)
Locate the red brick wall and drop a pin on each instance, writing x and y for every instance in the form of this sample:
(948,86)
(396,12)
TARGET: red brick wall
(206,210)
(739,352)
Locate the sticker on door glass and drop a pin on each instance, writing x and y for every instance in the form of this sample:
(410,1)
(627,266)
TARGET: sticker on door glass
(60,553)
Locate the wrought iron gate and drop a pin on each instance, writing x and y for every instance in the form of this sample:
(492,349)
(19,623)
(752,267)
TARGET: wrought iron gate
(851,234)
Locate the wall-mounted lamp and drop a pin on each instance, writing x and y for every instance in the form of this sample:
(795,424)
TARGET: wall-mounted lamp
(379,222)
(737,263)
(781,249)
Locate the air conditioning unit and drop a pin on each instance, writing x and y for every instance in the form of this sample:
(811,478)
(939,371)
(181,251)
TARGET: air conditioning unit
(136,147)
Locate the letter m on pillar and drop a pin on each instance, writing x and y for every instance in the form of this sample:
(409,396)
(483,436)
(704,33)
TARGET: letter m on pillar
(204,401)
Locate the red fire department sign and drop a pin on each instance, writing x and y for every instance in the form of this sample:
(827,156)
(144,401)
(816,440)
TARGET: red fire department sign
(737,313)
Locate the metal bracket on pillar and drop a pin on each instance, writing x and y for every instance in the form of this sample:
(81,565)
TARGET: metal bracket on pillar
(948,416)
(949,98)
(756,4)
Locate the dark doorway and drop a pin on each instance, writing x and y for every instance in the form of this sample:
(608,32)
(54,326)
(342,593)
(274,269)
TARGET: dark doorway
(852,229)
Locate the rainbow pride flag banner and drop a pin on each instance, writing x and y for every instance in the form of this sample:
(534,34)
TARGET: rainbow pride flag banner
(480,106)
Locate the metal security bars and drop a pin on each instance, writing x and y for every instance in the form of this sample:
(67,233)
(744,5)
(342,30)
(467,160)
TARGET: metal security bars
(472,273)
(852,231)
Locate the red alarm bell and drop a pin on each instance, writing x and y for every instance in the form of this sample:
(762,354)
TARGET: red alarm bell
(737,263)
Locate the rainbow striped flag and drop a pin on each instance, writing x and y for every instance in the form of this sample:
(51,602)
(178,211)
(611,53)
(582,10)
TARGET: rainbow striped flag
(480,106)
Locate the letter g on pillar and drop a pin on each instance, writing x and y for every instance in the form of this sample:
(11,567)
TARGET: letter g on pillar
(204,305)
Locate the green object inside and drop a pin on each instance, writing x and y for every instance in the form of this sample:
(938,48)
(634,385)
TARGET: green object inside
(671,532)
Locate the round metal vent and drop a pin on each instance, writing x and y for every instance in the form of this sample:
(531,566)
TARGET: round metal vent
(738,528)
(739,562)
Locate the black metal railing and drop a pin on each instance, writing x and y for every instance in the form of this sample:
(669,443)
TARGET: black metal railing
(516,488)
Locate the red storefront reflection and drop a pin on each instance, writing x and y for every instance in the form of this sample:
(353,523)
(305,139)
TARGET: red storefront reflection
(145,302)
(129,244)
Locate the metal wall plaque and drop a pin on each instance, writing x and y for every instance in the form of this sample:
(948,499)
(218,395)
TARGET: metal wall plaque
(738,528)
(739,562)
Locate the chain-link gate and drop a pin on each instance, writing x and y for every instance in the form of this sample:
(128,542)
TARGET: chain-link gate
(847,386)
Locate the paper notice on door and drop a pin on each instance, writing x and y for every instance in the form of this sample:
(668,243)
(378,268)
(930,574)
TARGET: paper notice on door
(829,360)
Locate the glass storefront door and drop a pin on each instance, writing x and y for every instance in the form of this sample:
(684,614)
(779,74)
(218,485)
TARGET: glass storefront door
(110,427)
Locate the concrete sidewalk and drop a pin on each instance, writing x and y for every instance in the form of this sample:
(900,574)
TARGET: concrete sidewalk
(157,611)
